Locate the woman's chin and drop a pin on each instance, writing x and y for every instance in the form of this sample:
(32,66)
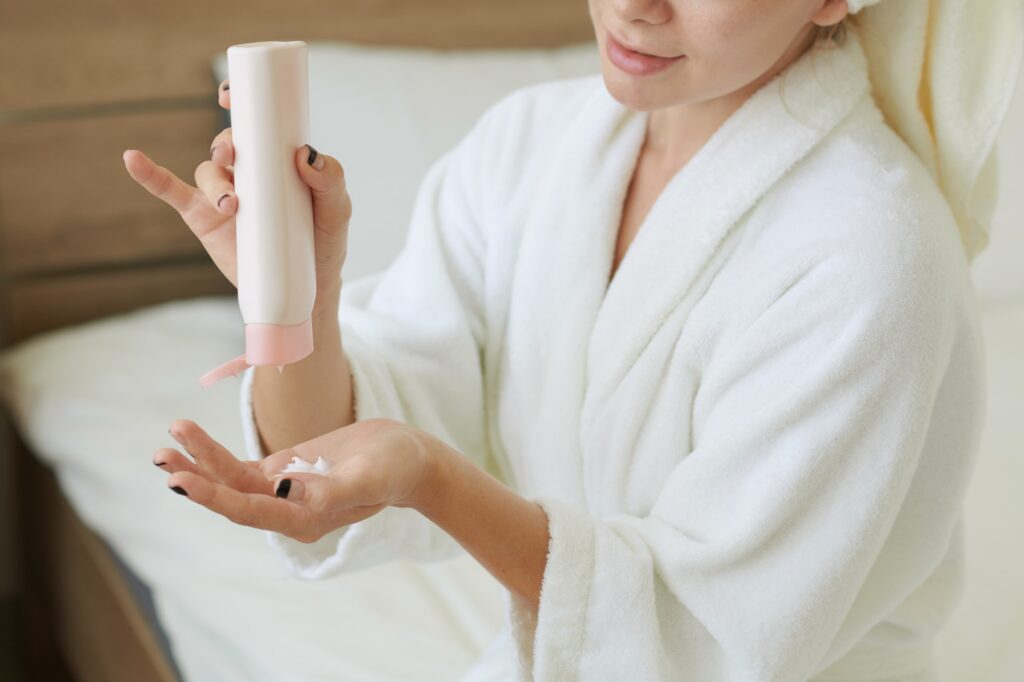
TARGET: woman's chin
(636,92)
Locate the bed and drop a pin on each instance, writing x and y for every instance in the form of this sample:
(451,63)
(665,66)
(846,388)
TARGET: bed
(84,247)
(111,312)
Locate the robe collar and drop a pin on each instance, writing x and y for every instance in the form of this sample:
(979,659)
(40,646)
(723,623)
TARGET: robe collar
(584,333)
(750,152)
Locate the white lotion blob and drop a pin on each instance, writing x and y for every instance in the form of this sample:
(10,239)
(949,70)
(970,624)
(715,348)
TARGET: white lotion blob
(299,465)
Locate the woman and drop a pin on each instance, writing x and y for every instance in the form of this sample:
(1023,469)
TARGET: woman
(685,354)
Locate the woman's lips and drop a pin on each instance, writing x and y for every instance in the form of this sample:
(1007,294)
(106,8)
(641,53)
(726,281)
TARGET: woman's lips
(636,63)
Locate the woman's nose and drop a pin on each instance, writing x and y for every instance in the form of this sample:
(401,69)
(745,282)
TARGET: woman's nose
(648,11)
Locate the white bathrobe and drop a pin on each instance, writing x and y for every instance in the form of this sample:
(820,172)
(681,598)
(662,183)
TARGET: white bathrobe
(752,446)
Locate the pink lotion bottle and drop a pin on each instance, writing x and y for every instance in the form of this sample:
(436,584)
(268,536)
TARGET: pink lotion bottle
(274,220)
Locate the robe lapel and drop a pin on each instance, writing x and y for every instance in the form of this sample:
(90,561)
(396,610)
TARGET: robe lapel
(558,283)
(742,160)
(572,337)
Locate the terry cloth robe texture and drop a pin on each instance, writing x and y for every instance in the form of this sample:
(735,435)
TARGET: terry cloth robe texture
(752,444)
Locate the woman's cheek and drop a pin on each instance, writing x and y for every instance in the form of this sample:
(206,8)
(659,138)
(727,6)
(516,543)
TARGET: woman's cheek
(732,22)
(731,36)
(708,15)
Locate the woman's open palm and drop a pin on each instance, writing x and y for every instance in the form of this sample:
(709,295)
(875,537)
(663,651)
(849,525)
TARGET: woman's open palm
(371,464)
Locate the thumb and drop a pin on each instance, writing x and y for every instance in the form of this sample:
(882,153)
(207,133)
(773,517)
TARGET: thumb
(326,179)
(318,491)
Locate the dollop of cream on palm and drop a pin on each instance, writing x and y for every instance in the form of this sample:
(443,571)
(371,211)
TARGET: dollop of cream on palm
(299,465)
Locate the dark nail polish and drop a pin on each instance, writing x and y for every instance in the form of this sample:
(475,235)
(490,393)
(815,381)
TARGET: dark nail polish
(312,154)
(283,488)
(160,464)
(178,489)
(222,199)
(226,87)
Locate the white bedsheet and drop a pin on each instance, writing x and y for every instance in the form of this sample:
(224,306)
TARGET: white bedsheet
(95,402)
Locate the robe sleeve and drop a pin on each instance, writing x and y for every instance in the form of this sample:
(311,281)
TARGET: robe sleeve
(413,337)
(808,426)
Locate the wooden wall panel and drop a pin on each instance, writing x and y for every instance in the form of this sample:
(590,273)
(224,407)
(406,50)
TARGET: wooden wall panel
(72,52)
(40,304)
(66,199)
(83,80)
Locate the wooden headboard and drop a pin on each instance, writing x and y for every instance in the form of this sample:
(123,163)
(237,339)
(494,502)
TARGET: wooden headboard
(80,82)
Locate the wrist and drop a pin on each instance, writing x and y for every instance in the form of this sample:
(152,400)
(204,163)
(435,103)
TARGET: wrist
(328,283)
(327,292)
(437,471)
(325,305)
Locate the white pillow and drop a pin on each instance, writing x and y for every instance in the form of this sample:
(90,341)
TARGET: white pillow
(387,113)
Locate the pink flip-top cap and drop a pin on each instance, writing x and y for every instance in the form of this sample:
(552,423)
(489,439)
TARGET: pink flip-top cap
(266,344)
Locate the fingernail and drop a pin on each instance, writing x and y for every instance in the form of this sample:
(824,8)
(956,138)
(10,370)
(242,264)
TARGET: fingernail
(314,159)
(290,488)
(160,464)
(212,149)
(223,197)
(226,87)
(177,436)
(283,487)
(178,489)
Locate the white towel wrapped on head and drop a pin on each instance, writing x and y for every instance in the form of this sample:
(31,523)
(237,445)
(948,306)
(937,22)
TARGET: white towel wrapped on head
(943,73)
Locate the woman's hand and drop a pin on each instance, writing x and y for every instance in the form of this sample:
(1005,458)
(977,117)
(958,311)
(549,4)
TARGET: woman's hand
(374,464)
(209,209)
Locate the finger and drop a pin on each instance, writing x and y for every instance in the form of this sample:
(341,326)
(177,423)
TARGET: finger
(290,488)
(332,206)
(247,509)
(161,182)
(334,505)
(216,184)
(332,494)
(170,460)
(224,94)
(222,149)
(216,459)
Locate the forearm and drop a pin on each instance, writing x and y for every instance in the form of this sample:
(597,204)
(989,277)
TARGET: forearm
(310,397)
(504,531)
